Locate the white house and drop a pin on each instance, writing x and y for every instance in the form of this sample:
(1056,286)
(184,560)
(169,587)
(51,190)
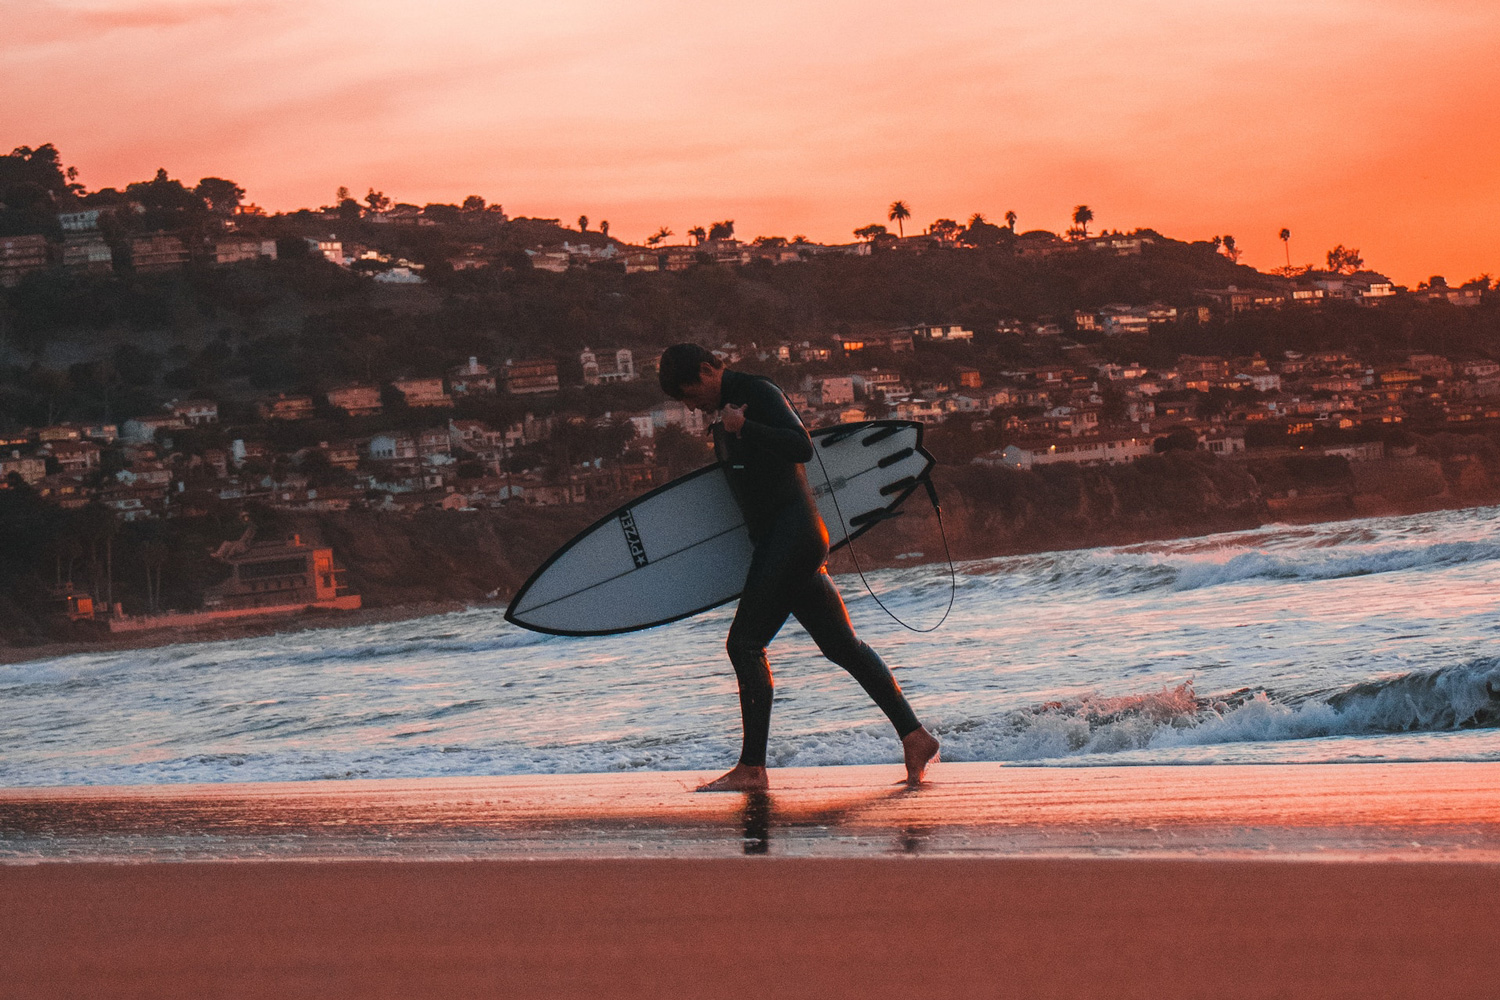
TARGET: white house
(1080,451)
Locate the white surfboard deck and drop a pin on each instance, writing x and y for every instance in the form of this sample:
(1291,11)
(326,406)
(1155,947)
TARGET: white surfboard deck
(683,548)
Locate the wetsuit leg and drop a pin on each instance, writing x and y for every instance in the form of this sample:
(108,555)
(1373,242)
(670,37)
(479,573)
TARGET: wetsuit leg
(781,561)
(820,609)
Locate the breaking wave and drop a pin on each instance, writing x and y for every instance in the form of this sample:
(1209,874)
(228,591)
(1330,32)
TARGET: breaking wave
(1445,700)
(1221,560)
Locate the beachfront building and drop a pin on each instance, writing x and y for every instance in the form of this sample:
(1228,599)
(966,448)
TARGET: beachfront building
(277,574)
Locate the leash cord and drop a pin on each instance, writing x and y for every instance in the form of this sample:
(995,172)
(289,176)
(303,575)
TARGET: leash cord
(849,541)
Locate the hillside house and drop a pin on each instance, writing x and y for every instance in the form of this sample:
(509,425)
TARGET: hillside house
(195,412)
(238,251)
(157,252)
(87,252)
(393,447)
(1029,454)
(19,256)
(945,333)
(140,429)
(829,391)
(30,468)
(620,368)
(355,400)
(285,407)
(472,379)
(423,392)
(535,376)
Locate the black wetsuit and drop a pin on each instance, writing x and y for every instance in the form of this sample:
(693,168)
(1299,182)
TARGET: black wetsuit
(787,577)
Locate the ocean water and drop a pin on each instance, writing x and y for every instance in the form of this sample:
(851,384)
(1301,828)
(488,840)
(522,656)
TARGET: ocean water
(1370,640)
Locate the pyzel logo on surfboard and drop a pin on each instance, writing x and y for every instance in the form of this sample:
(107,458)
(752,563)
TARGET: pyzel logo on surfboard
(633,539)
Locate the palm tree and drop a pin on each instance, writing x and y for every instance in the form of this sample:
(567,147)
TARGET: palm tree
(899,214)
(154,555)
(1286,240)
(698,233)
(583,223)
(977,218)
(1010,220)
(1082,216)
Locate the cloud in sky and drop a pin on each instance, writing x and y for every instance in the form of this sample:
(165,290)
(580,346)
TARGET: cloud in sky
(1350,121)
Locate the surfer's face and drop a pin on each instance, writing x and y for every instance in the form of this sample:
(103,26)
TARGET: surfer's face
(704,394)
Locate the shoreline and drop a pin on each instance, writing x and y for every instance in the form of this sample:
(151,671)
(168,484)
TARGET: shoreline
(1432,811)
(839,563)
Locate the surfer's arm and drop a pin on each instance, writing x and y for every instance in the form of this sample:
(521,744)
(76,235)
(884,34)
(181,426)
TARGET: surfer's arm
(775,426)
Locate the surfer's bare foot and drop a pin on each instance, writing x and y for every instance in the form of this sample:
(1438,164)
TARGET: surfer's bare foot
(741,778)
(920,748)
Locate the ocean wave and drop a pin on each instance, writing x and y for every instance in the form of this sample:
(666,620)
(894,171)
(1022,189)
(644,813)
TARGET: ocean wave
(1125,572)
(1324,563)
(1465,696)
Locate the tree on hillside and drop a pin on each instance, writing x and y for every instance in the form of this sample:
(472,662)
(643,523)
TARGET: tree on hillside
(981,233)
(977,218)
(944,229)
(164,193)
(899,213)
(583,223)
(658,236)
(1286,242)
(1230,249)
(1010,221)
(473,203)
(604,228)
(698,233)
(222,196)
(721,230)
(1343,260)
(377,201)
(1082,216)
(871,231)
(341,195)
(41,166)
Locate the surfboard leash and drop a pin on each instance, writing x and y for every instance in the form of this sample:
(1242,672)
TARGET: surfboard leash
(926,481)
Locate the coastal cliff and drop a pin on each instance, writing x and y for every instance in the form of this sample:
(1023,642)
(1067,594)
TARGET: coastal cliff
(422,562)
(487,554)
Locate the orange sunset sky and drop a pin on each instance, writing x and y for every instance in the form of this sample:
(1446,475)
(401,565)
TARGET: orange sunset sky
(1373,123)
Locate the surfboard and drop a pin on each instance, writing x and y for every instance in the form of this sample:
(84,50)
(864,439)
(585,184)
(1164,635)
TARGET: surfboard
(683,548)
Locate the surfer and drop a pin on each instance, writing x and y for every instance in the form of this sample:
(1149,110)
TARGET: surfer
(762,446)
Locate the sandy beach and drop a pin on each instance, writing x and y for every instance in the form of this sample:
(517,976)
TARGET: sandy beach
(1361,880)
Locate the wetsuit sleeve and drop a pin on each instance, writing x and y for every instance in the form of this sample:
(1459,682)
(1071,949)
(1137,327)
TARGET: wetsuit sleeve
(772,424)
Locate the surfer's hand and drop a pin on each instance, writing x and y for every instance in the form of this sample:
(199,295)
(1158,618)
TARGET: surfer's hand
(734,418)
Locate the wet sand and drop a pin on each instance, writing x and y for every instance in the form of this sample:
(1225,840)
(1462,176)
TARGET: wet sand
(1365,880)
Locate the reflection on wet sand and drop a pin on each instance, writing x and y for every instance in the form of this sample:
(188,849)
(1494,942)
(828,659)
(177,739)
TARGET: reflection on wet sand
(1416,810)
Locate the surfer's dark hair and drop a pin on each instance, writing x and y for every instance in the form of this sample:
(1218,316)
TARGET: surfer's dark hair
(679,366)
